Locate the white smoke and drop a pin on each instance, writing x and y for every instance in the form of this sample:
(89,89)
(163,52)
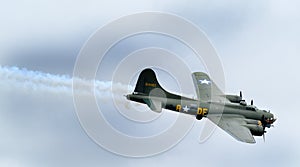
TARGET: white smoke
(14,78)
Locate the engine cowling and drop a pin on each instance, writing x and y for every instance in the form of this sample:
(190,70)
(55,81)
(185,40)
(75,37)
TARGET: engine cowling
(256,130)
(234,98)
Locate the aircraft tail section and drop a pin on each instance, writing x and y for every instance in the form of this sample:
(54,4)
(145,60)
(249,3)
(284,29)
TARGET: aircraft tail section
(149,91)
(147,82)
(153,94)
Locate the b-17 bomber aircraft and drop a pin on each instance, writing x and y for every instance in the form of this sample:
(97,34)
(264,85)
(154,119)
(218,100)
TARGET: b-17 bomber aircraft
(229,112)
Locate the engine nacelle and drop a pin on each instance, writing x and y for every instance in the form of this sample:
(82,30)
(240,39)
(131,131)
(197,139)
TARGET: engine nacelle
(234,98)
(256,130)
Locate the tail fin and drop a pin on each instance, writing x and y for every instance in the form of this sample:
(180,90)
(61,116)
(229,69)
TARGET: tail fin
(148,85)
(147,82)
(152,93)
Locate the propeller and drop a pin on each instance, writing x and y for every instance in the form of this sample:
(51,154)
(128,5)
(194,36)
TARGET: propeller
(251,102)
(263,124)
(266,122)
(241,95)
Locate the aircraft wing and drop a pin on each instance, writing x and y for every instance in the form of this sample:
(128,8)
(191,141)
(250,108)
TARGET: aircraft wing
(206,89)
(234,125)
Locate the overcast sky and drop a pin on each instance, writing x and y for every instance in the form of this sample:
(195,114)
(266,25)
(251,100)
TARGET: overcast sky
(257,42)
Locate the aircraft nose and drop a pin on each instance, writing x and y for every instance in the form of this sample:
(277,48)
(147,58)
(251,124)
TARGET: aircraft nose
(273,117)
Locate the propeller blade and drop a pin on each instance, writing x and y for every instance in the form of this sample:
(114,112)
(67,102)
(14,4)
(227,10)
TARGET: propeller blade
(264,137)
(251,102)
(241,95)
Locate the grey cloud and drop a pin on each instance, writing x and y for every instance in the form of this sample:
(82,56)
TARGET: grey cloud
(258,44)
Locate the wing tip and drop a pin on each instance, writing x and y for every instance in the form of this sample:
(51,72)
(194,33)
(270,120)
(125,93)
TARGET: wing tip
(252,141)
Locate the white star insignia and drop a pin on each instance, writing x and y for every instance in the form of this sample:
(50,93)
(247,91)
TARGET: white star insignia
(204,81)
(186,109)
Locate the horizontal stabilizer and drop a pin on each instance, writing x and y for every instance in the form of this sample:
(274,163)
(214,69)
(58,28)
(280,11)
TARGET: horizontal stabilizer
(154,104)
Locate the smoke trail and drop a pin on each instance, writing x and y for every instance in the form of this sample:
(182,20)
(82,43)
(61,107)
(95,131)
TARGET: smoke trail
(15,78)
